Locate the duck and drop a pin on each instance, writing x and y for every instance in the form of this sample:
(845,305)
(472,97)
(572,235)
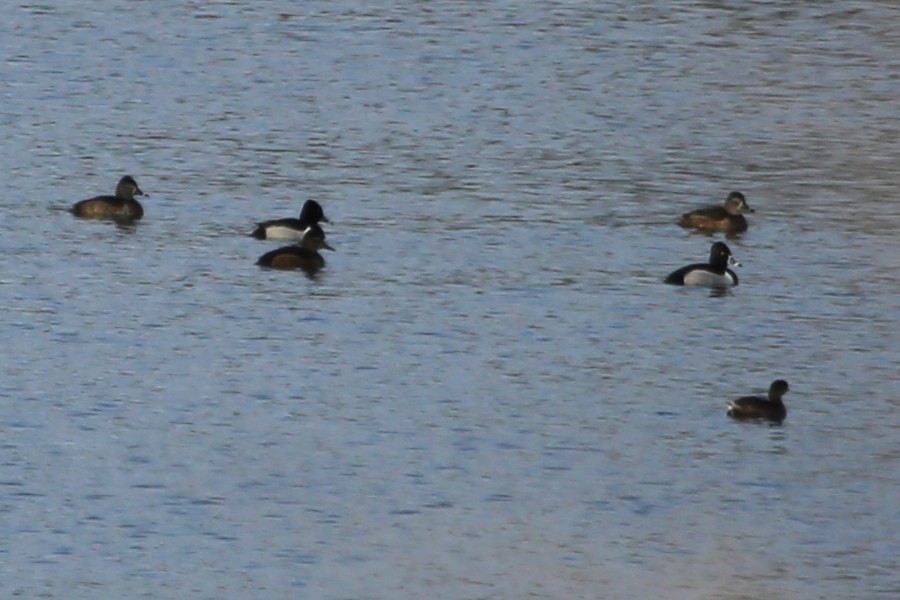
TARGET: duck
(291,229)
(314,238)
(755,407)
(714,274)
(727,218)
(302,255)
(120,207)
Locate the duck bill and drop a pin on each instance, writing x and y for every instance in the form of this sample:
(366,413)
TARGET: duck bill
(732,262)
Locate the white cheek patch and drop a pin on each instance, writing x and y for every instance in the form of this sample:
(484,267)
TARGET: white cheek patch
(279,232)
(705,278)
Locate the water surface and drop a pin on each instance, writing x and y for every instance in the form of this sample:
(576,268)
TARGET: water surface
(488,392)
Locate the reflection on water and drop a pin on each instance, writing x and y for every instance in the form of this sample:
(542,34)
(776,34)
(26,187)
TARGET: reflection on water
(488,391)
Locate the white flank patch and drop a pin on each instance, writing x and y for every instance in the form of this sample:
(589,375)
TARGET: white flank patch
(279,232)
(705,278)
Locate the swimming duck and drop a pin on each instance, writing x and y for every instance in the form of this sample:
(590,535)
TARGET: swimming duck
(291,229)
(755,407)
(302,255)
(727,218)
(715,273)
(121,207)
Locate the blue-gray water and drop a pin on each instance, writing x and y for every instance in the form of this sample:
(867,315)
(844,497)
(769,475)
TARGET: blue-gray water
(488,392)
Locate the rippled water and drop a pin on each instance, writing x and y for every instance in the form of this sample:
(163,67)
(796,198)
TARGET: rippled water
(488,392)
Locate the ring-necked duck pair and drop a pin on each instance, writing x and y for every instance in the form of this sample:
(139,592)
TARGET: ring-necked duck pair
(715,273)
(120,207)
(728,218)
(771,408)
(305,231)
